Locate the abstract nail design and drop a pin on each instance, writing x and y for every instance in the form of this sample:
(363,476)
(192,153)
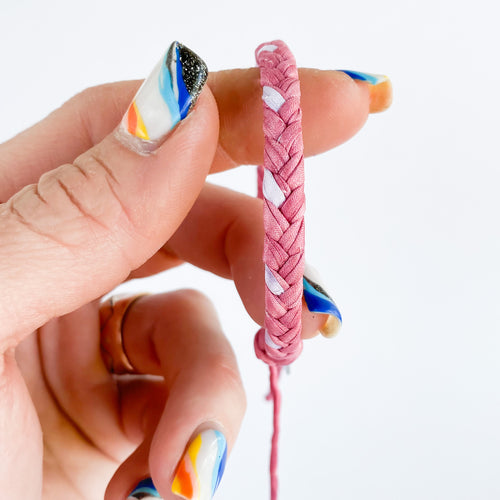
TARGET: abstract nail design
(201,468)
(318,300)
(164,99)
(144,490)
(380,89)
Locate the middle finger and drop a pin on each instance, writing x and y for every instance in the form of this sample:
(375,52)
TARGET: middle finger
(224,234)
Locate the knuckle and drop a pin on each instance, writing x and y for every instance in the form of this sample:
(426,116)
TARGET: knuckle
(194,299)
(191,304)
(73,204)
(94,190)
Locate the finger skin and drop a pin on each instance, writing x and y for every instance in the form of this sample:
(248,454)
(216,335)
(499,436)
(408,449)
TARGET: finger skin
(334,109)
(178,336)
(20,434)
(84,226)
(85,391)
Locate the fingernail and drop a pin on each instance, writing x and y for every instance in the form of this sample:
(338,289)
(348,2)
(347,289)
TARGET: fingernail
(318,300)
(145,489)
(380,89)
(201,468)
(164,99)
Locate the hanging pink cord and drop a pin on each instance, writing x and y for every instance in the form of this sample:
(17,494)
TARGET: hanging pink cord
(281,186)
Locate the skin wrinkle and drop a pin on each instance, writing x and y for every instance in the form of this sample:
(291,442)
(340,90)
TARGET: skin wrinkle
(81,169)
(39,196)
(74,201)
(95,157)
(118,199)
(110,179)
(25,222)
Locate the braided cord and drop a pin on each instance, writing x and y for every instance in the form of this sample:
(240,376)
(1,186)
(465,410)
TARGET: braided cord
(281,186)
(279,343)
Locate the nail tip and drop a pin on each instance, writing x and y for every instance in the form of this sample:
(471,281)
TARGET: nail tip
(381,96)
(144,490)
(380,88)
(331,328)
(194,71)
(198,74)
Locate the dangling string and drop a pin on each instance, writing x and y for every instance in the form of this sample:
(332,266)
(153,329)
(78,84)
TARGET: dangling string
(281,186)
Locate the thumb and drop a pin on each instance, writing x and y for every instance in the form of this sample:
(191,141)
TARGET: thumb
(84,226)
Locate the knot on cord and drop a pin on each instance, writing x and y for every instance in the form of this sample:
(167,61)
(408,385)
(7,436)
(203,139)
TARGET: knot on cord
(276,356)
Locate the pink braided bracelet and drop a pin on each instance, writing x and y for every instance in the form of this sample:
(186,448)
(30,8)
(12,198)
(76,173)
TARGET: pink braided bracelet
(281,185)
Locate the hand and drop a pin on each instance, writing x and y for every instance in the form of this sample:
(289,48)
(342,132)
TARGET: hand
(72,233)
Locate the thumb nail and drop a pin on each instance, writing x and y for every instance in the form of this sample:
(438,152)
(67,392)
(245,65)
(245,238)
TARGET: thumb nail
(165,98)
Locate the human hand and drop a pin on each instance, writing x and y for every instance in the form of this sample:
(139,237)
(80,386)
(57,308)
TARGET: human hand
(108,214)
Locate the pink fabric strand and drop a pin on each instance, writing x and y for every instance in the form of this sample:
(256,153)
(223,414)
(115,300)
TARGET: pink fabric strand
(279,343)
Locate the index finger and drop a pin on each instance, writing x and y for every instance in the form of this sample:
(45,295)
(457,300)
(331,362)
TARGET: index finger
(335,106)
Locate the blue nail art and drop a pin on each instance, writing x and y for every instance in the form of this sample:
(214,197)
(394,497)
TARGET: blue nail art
(144,490)
(365,77)
(317,300)
(219,471)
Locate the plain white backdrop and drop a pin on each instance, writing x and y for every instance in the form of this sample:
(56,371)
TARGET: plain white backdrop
(401,222)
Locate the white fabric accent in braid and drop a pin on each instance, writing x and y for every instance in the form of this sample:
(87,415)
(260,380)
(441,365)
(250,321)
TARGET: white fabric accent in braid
(269,48)
(271,282)
(272,98)
(269,341)
(271,191)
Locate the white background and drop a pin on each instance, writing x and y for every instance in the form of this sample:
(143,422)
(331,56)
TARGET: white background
(401,221)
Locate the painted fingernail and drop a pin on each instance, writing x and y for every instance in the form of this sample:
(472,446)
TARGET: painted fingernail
(380,89)
(164,99)
(144,490)
(318,300)
(201,468)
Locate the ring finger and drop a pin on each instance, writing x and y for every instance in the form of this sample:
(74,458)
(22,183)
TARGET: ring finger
(178,336)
